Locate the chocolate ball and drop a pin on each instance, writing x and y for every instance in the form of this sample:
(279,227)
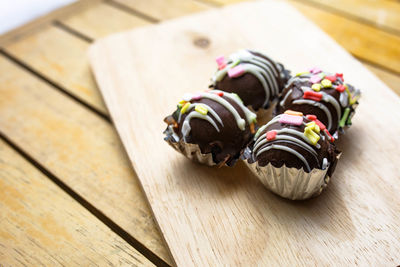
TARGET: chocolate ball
(256,78)
(216,121)
(296,141)
(322,94)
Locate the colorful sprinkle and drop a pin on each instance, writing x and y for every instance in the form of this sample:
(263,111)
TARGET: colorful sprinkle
(312,95)
(332,78)
(322,75)
(340,88)
(220,60)
(222,66)
(201,109)
(330,137)
(271,135)
(252,128)
(311,117)
(326,83)
(197,97)
(313,126)
(185,108)
(344,117)
(320,124)
(312,136)
(181,103)
(315,70)
(316,87)
(294,113)
(290,119)
(219,93)
(236,71)
(315,79)
(302,73)
(340,75)
(236,62)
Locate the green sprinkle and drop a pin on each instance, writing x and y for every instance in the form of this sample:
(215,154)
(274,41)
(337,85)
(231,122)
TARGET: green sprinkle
(349,121)
(236,62)
(302,73)
(344,117)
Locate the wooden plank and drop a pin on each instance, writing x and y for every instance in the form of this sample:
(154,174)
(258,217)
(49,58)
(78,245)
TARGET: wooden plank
(382,13)
(363,41)
(391,80)
(40,225)
(36,24)
(164,9)
(79,147)
(101,20)
(212,216)
(61,57)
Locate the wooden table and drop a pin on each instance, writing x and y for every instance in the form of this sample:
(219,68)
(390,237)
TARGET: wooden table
(69,194)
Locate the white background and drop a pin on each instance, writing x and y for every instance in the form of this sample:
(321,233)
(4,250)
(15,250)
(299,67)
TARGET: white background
(14,13)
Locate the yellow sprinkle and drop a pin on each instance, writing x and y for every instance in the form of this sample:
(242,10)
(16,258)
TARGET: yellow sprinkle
(185,108)
(294,113)
(201,109)
(311,135)
(316,87)
(301,73)
(326,83)
(313,126)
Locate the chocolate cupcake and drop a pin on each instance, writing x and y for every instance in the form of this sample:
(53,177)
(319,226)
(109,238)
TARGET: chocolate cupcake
(322,94)
(256,78)
(293,155)
(211,127)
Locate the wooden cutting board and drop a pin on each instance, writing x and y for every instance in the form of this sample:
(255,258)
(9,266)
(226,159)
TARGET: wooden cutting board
(225,216)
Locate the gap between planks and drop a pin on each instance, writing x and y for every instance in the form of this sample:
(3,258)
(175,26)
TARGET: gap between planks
(87,205)
(52,84)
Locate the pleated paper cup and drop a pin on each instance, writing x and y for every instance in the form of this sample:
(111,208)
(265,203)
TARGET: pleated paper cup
(191,151)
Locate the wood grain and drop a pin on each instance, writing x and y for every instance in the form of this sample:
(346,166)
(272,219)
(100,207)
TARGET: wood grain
(101,20)
(77,146)
(363,41)
(224,216)
(40,225)
(164,9)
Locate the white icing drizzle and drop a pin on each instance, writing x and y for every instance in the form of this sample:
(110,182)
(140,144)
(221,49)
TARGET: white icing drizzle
(186,123)
(262,128)
(240,122)
(293,140)
(287,149)
(344,99)
(317,104)
(286,96)
(328,99)
(250,116)
(325,163)
(261,68)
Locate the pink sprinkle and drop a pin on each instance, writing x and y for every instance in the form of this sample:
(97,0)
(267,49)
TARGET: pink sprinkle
(236,71)
(196,97)
(220,60)
(315,79)
(315,70)
(290,119)
(222,66)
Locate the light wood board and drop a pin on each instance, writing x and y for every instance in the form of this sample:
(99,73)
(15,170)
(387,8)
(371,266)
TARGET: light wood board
(214,216)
